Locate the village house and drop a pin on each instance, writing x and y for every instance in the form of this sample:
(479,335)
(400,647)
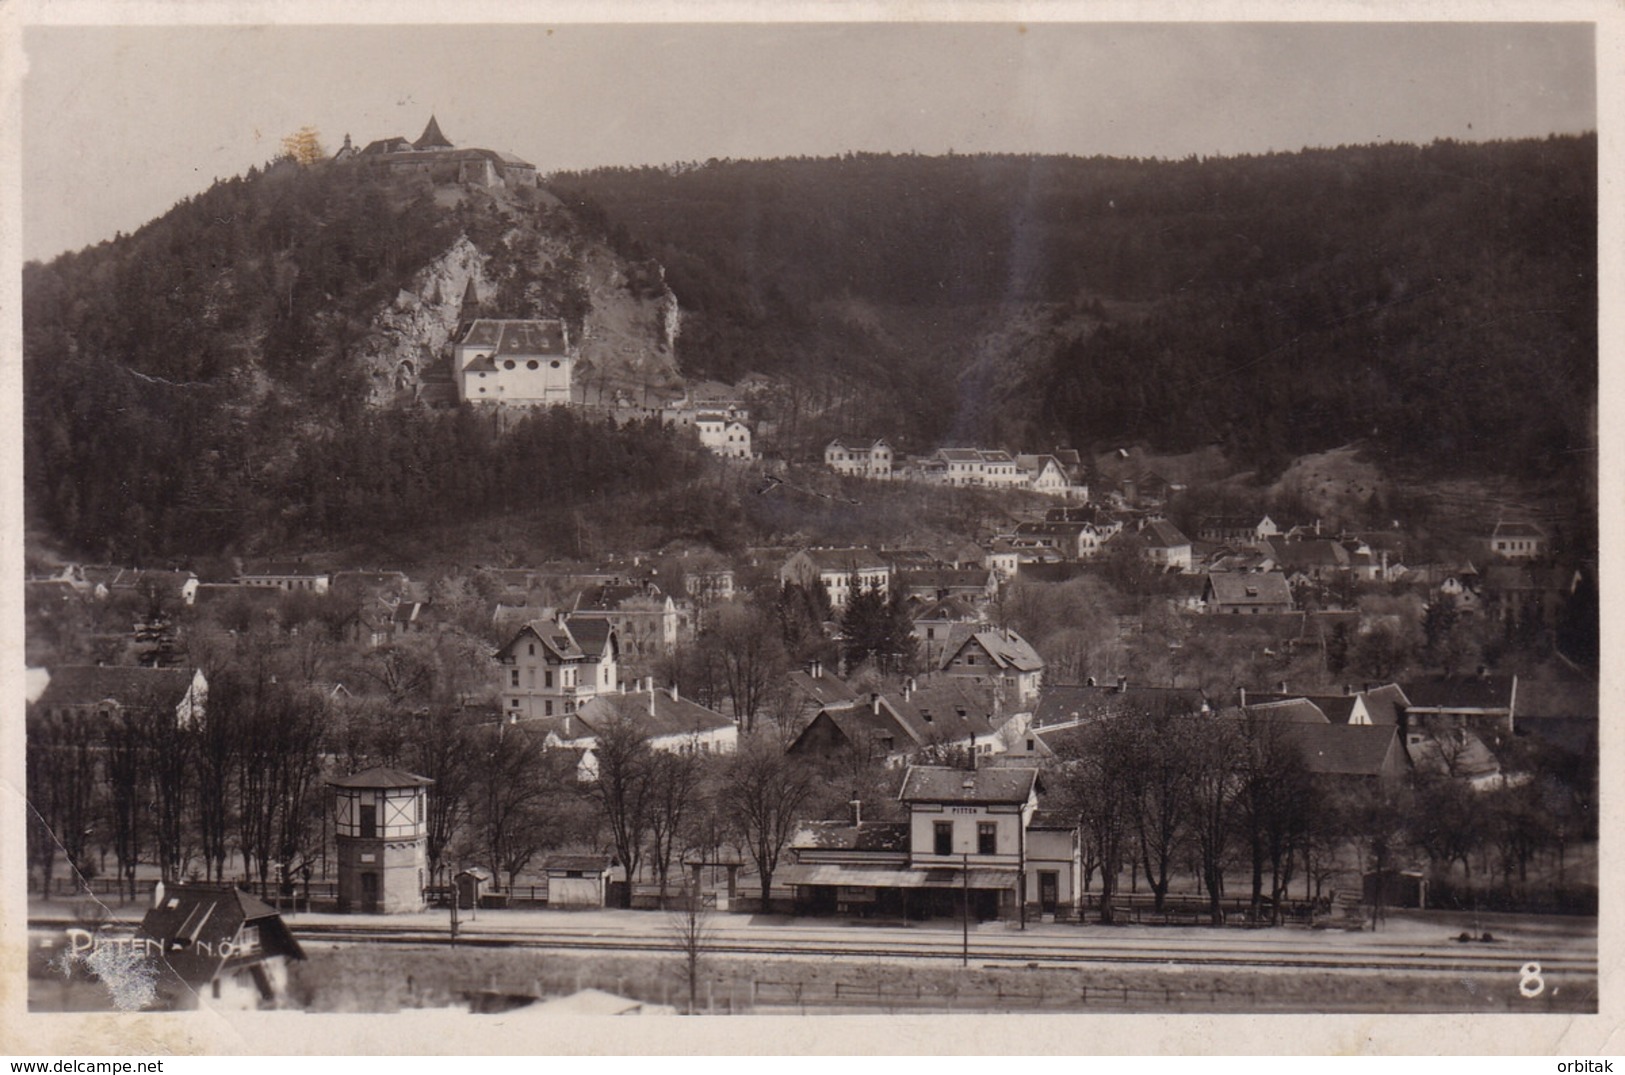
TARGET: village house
(1315,559)
(216,947)
(1348,753)
(1249,593)
(1517,541)
(666,721)
(859,458)
(724,436)
(109,691)
(1526,593)
(1483,703)
(284,575)
(1002,558)
(811,689)
(975,586)
(842,572)
(520,362)
(1165,546)
(941,624)
(998,656)
(1071,540)
(167,587)
(1236,529)
(1379,705)
(647,622)
(555,667)
(857,733)
(1045,474)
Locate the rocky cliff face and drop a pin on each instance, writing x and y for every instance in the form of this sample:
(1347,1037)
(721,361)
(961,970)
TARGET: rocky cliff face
(626,339)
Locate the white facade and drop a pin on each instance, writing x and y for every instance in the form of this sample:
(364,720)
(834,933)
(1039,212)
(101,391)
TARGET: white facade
(727,437)
(859,460)
(517,362)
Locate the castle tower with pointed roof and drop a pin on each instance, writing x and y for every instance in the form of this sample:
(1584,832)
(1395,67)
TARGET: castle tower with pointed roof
(433,155)
(432,138)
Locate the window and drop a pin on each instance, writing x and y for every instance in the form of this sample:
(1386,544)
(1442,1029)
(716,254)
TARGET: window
(987,838)
(533,365)
(514,703)
(554,364)
(515,681)
(508,365)
(547,708)
(943,837)
(369,822)
(547,678)
(532,649)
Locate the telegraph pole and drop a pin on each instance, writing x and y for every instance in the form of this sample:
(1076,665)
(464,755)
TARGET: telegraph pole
(964,914)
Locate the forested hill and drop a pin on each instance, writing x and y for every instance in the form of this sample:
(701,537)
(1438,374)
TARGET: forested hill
(1437,304)
(209,384)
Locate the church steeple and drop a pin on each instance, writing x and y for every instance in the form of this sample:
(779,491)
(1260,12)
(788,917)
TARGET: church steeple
(470,308)
(432,138)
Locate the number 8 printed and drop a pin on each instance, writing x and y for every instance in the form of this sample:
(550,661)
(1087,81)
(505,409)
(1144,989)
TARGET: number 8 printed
(1531,984)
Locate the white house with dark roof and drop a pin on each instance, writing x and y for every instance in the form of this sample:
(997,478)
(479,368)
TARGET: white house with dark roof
(1249,593)
(842,571)
(1044,474)
(284,575)
(724,436)
(110,690)
(667,721)
(859,458)
(551,668)
(1517,541)
(523,362)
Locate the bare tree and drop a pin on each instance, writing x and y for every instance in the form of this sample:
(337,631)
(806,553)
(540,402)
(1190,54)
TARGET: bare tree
(750,655)
(690,924)
(764,793)
(509,793)
(1213,787)
(675,784)
(623,790)
(64,780)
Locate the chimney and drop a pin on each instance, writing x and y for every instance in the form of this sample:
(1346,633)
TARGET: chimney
(569,723)
(674,693)
(857,811)
(815,669)
(651,701)
(874,702)
(1090,682)
(971,751)
(1122,684)
(910,685)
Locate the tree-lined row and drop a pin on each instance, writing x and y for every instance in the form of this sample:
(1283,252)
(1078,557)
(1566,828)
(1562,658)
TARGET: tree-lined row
(1166,794)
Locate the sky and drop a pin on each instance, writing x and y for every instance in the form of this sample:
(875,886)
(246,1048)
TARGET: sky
(120,123)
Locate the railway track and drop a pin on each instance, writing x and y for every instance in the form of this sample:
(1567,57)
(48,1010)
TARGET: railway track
(1044,952)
